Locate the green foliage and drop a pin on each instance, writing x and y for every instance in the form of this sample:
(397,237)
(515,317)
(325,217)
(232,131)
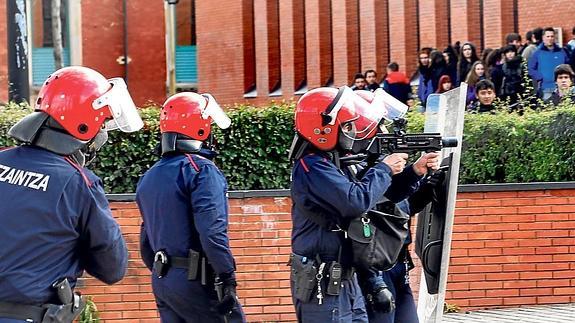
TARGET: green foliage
(90,313)
(254,150)
(9,115)
(538,146)
(534,147)
(126,156)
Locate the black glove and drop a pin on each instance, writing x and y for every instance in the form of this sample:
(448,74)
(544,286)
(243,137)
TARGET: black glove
(382,300)
(229,297)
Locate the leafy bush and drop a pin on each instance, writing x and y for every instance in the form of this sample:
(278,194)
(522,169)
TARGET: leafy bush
(90,314)
(538,146)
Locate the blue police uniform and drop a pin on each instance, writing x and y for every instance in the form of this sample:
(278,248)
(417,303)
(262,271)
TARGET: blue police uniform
(397,278)
(183,203)
(56,222)
(320,187)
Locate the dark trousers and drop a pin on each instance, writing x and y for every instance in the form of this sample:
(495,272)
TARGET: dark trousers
(405,311)
(348,306)
(182,301)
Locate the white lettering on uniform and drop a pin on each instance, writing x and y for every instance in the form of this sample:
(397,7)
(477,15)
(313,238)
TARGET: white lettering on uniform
(10,175)
(34,183)
(44,184)
(24,178)
(5,169)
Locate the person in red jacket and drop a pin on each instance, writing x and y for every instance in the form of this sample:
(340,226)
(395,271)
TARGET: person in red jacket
(396,83)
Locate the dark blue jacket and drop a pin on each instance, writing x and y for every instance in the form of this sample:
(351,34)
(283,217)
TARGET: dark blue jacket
(55,223)
(543,62)
(184,206)
(397,84)
(318,186)
(424,89)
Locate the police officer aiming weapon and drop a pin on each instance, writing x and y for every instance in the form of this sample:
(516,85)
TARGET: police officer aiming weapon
(400,142)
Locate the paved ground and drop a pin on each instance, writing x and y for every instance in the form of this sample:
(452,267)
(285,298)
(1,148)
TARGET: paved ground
(559,313)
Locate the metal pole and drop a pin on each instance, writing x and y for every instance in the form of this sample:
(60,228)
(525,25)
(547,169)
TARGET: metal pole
(18,81)
(170,19)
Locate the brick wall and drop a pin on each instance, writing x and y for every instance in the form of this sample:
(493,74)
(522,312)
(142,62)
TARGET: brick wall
(498,17)
(509,248)
(3,54)
(374,38)
(326,41)
(402,40)
(465,21)
(513,248)
(433,24)
(533,13)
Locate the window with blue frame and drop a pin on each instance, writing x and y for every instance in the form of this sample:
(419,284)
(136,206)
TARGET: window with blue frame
(186,57)
(42,44)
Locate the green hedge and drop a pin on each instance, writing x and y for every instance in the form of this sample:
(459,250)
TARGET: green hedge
(502,147)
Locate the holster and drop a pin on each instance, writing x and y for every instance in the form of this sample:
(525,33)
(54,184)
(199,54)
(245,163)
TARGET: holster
(72,304)
(196,264)
(303,276)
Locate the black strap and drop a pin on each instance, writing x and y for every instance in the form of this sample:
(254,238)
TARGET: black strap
(179,262)
(22,311)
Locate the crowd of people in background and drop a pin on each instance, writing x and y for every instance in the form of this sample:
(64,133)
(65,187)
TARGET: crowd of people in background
(538,68)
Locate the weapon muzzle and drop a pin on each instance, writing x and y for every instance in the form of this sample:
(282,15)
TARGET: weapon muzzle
(449,142)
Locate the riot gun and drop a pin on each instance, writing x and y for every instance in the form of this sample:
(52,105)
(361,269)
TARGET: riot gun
(400,142)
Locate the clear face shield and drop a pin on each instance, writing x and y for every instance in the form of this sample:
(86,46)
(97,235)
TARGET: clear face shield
(393,108)
(358,118)
(214,111)
(125,115)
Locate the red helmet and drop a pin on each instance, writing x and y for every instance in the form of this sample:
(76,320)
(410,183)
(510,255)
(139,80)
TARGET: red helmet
(81,100)
(191,114)
(321,112)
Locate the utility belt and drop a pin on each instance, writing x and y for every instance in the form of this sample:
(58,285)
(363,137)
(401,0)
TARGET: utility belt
(315,277)
(72,305)
(196,264)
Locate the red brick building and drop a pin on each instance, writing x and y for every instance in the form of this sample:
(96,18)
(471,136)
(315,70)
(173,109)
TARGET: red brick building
(259,50)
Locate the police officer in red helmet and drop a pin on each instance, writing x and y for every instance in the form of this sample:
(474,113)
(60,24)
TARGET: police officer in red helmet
(56,221)
(183,202)
(329,124)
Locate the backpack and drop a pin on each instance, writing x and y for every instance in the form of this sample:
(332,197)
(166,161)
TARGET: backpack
(378,236)
(512,80)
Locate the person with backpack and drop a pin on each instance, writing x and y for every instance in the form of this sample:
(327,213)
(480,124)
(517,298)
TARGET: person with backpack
(331,123)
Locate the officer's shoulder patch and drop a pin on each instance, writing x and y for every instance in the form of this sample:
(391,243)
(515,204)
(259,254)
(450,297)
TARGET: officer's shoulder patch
(309,160)
(192,162)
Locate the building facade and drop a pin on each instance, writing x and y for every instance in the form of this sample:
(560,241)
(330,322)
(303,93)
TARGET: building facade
(260,50)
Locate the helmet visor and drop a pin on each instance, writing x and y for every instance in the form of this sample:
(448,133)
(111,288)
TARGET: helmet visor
(214,111)
(350,107)
(393,108)
(125,115)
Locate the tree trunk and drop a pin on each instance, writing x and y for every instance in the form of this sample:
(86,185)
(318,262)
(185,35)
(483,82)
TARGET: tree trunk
(57,33)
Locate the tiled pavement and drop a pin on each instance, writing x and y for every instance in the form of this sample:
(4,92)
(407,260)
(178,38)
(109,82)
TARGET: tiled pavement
(559,313)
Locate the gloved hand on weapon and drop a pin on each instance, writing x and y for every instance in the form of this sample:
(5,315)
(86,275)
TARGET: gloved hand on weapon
(381,298)
(227,297)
